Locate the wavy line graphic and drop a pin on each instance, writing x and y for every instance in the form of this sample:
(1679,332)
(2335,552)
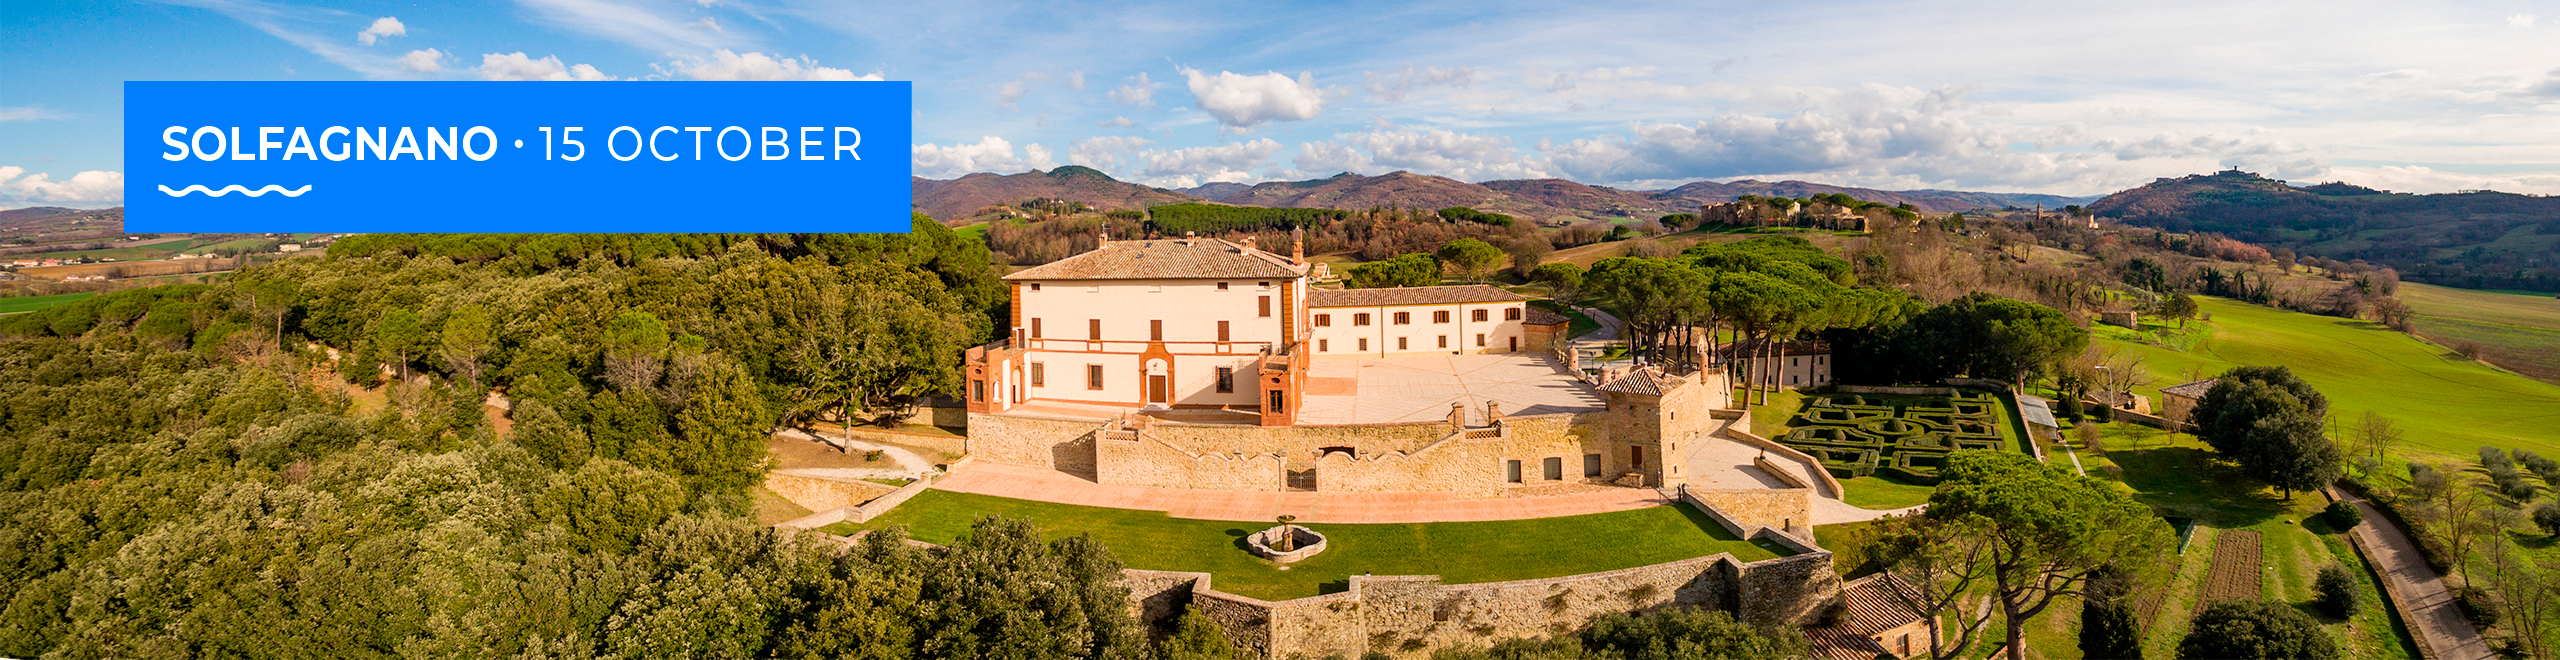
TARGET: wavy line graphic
(236,188)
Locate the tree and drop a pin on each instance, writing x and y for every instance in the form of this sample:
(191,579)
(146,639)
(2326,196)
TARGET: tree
(467,339)
(1563,279)
(1196,637)
(2043,531)
(2547,516)
(400,334)
(1402,271)
(2268,422)
(724,429)
(1936,568)
(2337,592)
(2145,274)
(1472,258)
(635,345)
(2108,627)
(2376,436)
(2256,629)
(1527,254)
(2178,307)
(1684,633)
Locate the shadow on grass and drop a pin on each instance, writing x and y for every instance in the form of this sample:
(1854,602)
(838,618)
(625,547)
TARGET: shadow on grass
(2194,482)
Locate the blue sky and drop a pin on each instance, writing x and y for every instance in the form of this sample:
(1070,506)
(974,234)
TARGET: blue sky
(2069,98)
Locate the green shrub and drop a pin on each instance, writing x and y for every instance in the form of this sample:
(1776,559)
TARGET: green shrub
(2547,516)
(2336,592)
(2477,605)
(2256,629)
(2341,515)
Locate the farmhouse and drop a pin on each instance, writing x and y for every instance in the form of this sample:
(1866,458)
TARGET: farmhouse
(2176,402)
(1790,365)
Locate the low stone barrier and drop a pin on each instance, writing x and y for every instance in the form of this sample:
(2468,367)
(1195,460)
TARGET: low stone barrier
(882,504)
(1781,473)
(1824,475)
(857,511)
(819,492)
(2152,421)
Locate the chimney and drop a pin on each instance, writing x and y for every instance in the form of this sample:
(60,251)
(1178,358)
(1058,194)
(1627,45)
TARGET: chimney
(1298,251)
(1492,411)
(1248,244)
(1102,236)
(1457,415)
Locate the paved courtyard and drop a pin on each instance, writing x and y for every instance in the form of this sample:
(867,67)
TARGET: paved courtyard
(1046,485)
(1420,389)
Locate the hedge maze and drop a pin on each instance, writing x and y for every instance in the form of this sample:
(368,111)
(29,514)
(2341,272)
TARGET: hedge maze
(1901,436)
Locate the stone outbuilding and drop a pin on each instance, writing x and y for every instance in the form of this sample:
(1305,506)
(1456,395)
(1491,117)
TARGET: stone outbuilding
(1874,623)
(2177,402)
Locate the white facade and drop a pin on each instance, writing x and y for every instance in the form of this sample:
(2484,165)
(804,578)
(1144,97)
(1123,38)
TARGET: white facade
(1398,330)
(1137,331)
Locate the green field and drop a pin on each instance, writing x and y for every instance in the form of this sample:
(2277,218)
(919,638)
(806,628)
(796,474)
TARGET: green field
(1457,552)
(2446,405)
(33,303)
(2540,310)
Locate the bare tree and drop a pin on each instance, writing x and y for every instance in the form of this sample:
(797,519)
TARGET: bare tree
(2376,437)
(2527,592)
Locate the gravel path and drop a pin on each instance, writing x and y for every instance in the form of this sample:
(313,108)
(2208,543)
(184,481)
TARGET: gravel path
(2424,602)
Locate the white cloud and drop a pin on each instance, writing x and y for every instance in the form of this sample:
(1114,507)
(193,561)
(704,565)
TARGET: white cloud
(1011,91)
(1118,122)
(2521,20)
(382,27)
(1184,168)
(1136,90)
(424,61)
(990,154)
(1075,80)
(1462,156)
(1106,153)
(725,65)
(90,187)
(516,66)
(1320,159)
(29,114)
(629,24)
(1243,101)
(1395,86)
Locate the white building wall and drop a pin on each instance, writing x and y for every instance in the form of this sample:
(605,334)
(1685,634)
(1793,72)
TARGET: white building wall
(1190,311)
(1341,338)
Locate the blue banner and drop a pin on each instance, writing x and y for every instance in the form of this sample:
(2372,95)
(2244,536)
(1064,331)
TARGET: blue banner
(262,157)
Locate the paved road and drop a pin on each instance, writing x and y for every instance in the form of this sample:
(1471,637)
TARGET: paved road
(2424,602)
(1610,327)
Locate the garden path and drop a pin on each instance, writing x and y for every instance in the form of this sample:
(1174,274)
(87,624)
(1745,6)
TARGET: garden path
(2424,602)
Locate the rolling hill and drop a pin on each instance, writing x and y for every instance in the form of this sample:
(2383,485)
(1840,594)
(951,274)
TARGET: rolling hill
(958,198)
(1552,202)
(2471,239)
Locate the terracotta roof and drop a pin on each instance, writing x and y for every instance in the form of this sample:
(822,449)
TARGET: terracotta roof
(1647,381)
(2194,390)
(1412,295)
(1164,259)
(1868,607)
(1543,317)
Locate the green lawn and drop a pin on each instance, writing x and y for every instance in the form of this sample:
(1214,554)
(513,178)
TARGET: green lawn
(2538,310)
(1458,552)
(33,303)
(1882,492)
(2445,405)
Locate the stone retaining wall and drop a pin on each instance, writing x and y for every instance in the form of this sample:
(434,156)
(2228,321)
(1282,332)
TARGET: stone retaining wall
(1901,391)
(2152,421)
(820,493)
(1819,474)
(1746,511)
(1792,479)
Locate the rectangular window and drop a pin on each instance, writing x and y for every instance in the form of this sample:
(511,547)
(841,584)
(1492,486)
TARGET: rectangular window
(1155,330)
(1222,286)
(1444,341)
(1511,314)
(1222,331)
(1039,374)
(1035,328)
(1279,402)
(978,390)
(1226,380)
(1591,465)
(1262,306)
(1404,318)
(1324,320)
(1364,344)
(1511,471)
(1093,329)
(1441,316)
(1035,286)
(1360,319)
(1792,361)
(1324,345)
(1401,345)
(1155,288)
(1093,376)
(1479,316)
(1554,467)
(1479,340)
(1635,457)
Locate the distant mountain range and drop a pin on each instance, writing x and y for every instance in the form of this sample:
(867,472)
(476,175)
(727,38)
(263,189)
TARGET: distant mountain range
(1548,201)
(2477,239)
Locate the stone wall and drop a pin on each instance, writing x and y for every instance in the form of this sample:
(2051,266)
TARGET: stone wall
(1830,484)
(1057,443)
(1791,477)
(866,511)
(1887,389)
(1746,512)
(951,446)
(820,493)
